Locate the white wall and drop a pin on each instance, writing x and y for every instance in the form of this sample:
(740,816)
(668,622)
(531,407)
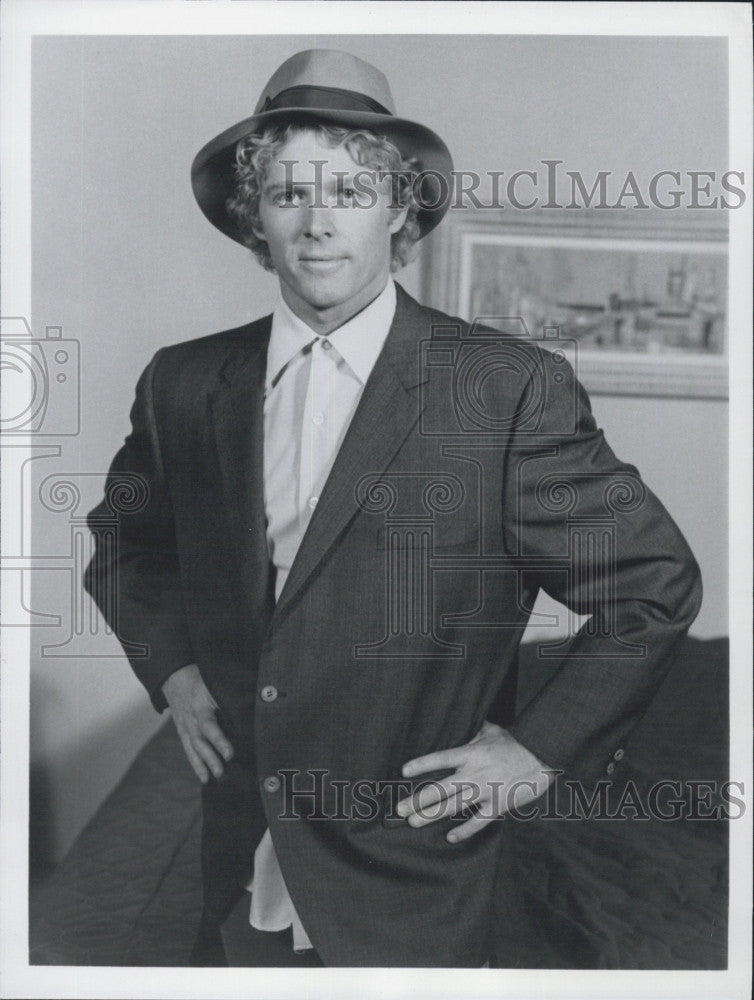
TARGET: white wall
(125,262)
(678,447)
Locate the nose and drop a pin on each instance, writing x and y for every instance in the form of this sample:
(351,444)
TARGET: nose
(319,222)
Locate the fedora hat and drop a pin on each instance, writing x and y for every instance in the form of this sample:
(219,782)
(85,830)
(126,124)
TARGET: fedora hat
(332,88)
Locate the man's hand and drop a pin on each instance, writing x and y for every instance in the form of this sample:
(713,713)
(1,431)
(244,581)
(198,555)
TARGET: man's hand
(493,772)
(193,709)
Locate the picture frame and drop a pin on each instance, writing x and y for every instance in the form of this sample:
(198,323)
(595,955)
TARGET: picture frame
(643,293)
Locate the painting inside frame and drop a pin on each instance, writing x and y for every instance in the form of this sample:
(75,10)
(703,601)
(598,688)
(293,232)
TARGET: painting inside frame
(643,296)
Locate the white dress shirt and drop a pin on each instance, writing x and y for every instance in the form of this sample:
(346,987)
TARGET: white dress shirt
(312,388)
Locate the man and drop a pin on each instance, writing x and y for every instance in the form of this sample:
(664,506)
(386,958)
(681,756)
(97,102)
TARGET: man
(351,506)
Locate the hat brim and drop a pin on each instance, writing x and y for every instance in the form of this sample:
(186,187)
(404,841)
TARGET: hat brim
(213,169)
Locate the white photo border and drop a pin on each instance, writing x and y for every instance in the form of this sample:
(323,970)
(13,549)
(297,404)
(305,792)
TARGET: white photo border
(21,21)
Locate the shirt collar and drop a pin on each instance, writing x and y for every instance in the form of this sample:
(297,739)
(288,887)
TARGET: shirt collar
(358,341)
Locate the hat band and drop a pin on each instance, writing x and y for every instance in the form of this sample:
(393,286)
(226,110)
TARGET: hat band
(322,99)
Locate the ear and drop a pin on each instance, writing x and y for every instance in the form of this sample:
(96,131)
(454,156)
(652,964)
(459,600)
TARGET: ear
(398,220)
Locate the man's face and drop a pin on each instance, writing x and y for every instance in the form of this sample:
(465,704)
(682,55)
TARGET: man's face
(331,252)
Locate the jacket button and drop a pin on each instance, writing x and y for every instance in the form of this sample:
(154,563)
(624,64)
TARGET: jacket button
(619,754)
(272,783)
(269,693)
(610,767)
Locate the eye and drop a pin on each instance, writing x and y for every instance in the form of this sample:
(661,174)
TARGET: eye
(286,198)
(346,194)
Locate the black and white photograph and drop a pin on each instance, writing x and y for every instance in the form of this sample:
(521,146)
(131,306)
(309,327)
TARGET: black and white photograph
(376,464)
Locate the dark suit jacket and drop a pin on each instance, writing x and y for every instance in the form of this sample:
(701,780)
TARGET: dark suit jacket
(397,631)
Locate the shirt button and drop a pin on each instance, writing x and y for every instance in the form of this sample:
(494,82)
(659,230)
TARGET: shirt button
(318,419)
(272,783)
(326,345)
(313,502)
(269,693)
(610,767)
(619,754)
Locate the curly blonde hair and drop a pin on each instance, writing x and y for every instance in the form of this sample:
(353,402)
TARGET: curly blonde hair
(255,153)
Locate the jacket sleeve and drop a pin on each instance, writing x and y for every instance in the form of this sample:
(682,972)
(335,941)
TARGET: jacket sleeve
(567,496)
(134,575)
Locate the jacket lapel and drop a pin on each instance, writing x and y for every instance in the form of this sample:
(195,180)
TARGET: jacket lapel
(237,417)
(388,410)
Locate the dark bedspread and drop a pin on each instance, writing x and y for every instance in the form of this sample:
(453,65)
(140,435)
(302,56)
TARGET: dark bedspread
(590,893)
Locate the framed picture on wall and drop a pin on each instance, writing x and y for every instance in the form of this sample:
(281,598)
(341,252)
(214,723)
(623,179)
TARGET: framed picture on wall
(642,293)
